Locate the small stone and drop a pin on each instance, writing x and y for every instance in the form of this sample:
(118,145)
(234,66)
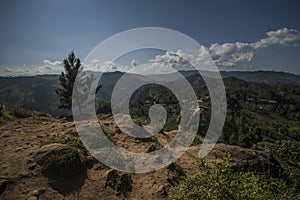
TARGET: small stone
(162,190)
(33,198)
(36,193)
(31,167)
(99,166)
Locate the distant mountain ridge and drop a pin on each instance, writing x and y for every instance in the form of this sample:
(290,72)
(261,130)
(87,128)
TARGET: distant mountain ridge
(269,77)
(37,92)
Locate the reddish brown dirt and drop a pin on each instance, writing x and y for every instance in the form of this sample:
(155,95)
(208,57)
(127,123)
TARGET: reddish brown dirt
(23,179)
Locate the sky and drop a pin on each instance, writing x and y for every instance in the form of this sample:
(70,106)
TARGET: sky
(36,35)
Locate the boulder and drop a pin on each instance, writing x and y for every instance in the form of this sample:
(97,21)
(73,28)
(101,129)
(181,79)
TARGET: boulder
(59,161)
(54,149)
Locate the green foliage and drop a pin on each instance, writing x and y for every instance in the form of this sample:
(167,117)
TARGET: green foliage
(197,140)
(8,112)
(107,133)
(256,112)
(222,182)
(287,153)
(103,107)
(67,80)
(150,94)
(177,169)
(18,112)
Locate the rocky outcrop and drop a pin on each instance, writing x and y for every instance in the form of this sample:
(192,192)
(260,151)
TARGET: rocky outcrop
(246,159)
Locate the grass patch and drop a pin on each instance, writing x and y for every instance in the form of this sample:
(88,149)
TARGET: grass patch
(72,141)
(108,133)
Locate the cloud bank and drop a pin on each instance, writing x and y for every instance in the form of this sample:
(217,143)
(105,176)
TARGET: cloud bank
(48,67)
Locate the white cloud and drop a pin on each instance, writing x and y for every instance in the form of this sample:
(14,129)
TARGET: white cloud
(6,69)
(55,63)
(234,54)
(47,67)
(284,36)
(106,66)
(173,59)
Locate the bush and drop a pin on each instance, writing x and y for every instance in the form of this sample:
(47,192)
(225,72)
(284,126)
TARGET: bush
(2,112)
(20,112)
(222,182)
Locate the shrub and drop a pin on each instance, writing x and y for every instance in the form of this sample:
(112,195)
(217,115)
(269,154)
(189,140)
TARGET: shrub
(222,182)
(2,113)
(20,112)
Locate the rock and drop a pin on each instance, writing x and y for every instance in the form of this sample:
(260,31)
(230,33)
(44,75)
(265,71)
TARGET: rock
(151,148)
(59,161)
(3,184)
(162,190)
(33,198)
(34,193)
(99,166)
(90,161)
(246,159)
(125,184)
(37,193)
(31,167)
(121,182)
(111,178)
(54,149)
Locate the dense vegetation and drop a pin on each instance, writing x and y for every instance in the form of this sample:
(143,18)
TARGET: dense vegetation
(259,116)
(222,182)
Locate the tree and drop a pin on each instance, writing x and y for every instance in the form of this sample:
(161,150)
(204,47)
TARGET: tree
(72,66)
(74,72)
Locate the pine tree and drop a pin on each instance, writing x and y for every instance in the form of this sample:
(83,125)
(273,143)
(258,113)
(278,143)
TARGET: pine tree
(72,67)
(84,81)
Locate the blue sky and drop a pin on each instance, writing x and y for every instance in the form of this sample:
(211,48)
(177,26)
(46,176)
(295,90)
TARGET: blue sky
(40,34)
